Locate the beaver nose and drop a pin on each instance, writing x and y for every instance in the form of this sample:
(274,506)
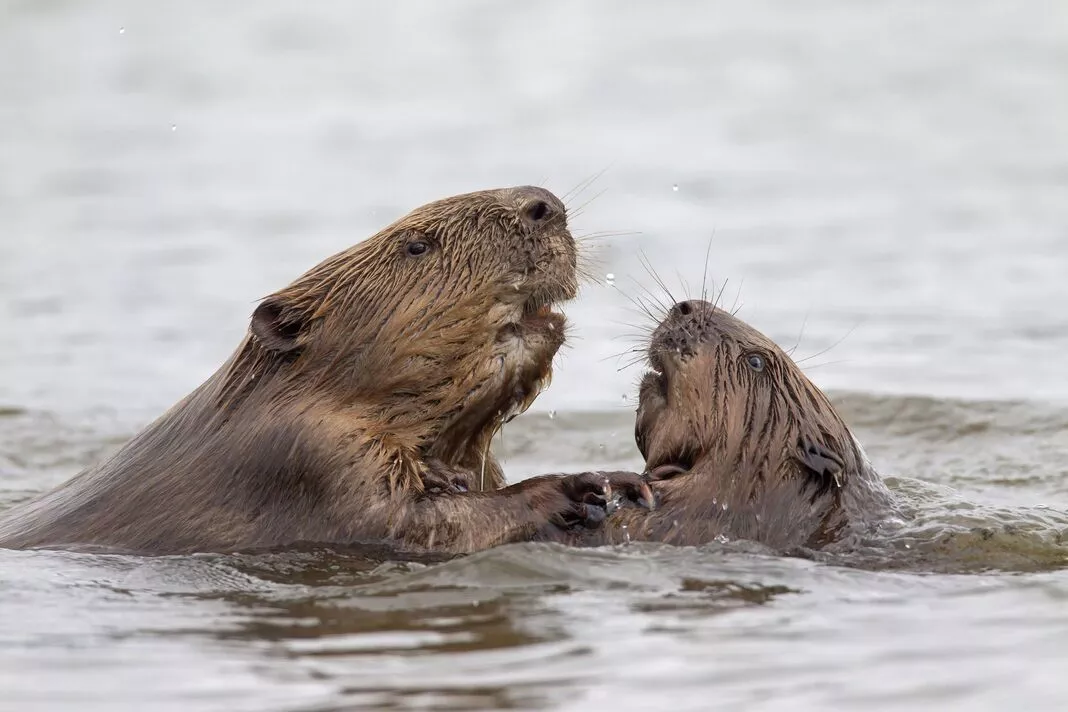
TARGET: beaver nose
(538,205)
(686,308)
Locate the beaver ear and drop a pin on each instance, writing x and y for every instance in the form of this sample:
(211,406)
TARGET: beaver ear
(821,463)
(274,328)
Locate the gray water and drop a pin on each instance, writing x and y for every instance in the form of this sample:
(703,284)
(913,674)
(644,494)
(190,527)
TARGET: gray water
(885,183)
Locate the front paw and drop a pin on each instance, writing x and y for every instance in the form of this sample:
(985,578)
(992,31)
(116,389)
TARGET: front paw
(587,499)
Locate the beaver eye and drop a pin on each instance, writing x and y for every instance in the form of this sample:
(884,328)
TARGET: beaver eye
(416,248)
(755,361)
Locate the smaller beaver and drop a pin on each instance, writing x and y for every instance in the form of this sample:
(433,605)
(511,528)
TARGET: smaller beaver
(739,443)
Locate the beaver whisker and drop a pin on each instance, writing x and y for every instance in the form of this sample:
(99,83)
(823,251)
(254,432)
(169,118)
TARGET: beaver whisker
(637,337)
(704,273)
(685,286)
(736,307)
(583,185)
(718,296)
(825,364)
(630,364)
(800,334)
(836,343)
(482,469)
(654,310)
(644,309)
(648,266)
(605,234)
(574,213)
(620,354)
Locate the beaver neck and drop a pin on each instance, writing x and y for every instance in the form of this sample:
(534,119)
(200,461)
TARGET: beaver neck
(402,424)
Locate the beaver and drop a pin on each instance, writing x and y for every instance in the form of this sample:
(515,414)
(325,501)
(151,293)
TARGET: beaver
(739,443)
(360,405)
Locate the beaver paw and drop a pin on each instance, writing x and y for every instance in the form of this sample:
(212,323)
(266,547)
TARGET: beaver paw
(593,496)
(442,479)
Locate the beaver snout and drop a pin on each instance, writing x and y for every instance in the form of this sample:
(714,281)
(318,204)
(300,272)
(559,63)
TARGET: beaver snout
(688,325)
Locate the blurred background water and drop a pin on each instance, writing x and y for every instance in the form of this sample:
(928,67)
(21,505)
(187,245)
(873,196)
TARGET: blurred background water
(887,182)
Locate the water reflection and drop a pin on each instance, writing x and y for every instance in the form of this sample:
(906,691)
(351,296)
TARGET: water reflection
(382,631)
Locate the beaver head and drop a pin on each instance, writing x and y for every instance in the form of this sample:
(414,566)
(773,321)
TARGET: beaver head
(724,404)
(426,336)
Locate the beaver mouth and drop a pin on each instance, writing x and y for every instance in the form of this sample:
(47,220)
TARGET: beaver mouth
(533,330)
(670,463)
(539,309)
(673,459)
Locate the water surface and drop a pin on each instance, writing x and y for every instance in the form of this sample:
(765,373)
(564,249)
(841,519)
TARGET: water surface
(883,185)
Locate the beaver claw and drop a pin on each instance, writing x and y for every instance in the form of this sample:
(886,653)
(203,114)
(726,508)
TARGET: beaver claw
(442,479)
(596,495)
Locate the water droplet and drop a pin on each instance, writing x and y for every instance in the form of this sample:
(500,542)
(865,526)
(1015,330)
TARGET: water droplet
(908,546)
(624,397)
(601,446)
(174,127)
(1041,506)
(722,539)
(723,506)
(675,187)
(552,414)
(122,30)
(626,534)
(609,279)
(714,501)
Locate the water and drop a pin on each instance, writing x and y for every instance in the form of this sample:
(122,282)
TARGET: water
(888,181)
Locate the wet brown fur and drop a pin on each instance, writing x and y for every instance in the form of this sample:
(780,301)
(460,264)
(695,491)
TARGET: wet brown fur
(364,391)
(738,452)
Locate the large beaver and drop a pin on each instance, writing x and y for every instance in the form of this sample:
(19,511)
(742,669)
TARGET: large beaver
(361,405)
(739,443)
